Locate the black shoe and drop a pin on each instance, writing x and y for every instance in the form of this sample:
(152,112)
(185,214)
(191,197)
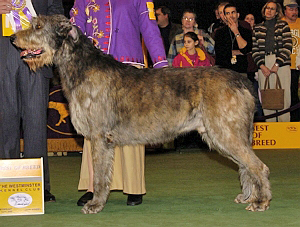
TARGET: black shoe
(48,197)
(134,200)
(85,198)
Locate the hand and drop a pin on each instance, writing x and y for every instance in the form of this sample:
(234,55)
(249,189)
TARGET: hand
(274,69)
(201,40)
(236,52)
(5,6)
(233,26)
(265,70)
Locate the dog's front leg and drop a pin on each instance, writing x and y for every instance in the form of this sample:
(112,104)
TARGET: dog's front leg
(102,155)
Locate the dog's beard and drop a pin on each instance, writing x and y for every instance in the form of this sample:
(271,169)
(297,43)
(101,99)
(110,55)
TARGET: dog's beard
(38,61)
(37,57)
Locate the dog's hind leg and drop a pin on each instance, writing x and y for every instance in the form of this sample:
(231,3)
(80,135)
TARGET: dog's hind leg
(253,172)
(102,155)
(231,136)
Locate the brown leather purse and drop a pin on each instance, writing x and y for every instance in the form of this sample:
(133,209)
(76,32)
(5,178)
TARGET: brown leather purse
(272,99)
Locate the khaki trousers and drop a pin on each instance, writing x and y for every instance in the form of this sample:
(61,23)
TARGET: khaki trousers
(128,169)
(284,74)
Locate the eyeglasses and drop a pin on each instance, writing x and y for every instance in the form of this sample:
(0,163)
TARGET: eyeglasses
(188,19)
(270,8)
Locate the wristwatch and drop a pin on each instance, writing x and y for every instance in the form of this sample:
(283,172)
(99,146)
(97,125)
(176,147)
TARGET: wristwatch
(237,35)
(276,64)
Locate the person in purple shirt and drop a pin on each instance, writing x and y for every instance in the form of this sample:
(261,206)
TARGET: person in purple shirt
(116,27)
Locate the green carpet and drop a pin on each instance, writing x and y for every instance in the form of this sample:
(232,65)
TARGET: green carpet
(191,188)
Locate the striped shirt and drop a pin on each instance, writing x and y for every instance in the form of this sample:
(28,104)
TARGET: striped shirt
(282,46)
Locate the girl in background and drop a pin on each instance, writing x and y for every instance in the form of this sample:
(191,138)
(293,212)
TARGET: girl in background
(189,24)
(191,54)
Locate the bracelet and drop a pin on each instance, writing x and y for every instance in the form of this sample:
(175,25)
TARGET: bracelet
(237,35)
(276,64)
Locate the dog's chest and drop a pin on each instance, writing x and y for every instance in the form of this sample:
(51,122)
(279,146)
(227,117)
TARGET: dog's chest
(79,106)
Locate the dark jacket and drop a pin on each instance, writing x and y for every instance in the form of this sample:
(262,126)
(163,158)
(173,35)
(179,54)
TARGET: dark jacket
(168,33)
(225,42)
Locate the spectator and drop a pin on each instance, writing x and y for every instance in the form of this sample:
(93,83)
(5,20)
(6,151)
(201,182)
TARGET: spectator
(189,24)
(216,24)
(291,16)
(191,54)
(24,98)
(233,42)
(272,46)
(168,30)
(221,12)
(250,19)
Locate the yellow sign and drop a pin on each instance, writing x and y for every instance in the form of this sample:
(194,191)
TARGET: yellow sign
(21,187)
(276,135)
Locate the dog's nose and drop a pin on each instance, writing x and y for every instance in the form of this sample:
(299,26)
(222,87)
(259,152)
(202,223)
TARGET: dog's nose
(13,37)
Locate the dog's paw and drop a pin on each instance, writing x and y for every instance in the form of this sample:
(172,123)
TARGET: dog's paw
(258,206)
(240,199)
(91,208)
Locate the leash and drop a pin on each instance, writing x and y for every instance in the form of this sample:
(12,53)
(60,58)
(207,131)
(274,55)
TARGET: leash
(262,118)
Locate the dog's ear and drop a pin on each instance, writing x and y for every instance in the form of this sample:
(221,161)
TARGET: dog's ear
(73,33)
(66,29)
(63,28)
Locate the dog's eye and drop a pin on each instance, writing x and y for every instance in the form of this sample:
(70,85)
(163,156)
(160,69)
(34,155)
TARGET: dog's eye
(38,26)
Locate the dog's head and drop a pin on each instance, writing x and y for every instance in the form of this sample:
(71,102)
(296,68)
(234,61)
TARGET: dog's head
(43,39)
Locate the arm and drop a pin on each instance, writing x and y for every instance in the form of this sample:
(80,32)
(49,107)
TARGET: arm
(208,42)
(298,60)
(151,34)
(242,43)
(258,57)
(172,52)
(78,15)
(246,35)
(284,51)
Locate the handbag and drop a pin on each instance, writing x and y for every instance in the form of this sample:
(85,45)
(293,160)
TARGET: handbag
(272,99)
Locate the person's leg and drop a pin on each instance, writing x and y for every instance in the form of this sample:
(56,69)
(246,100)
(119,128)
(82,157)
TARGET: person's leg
(10,108)
(86,169)
(34,102)
(128,173)
(34,94)
(117,182)
(133,168)
(86,174)
(261,83)
(269,62)
(284,74)
(295,115)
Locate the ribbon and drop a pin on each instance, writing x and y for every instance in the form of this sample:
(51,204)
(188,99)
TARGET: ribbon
(21,14)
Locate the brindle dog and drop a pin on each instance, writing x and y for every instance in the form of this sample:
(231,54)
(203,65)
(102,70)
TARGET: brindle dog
(116,104)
